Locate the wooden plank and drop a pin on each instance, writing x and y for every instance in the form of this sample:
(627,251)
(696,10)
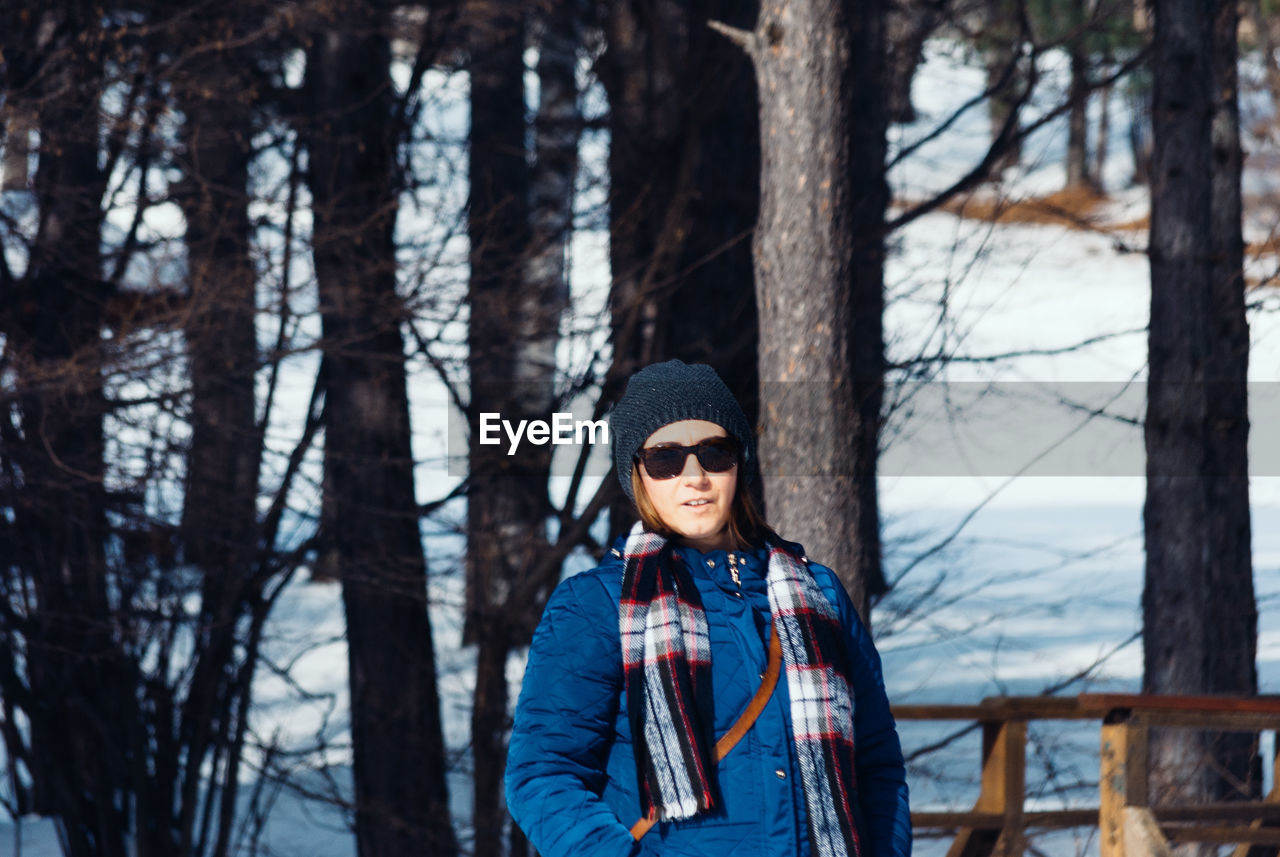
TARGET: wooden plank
(1000,708)
(1004,782)
(1242,812)
(1004,773)
(1159,702)
(1122,780)
(938,712)
(1000,755)
(1088,706)
(1052,819)
(1037,707)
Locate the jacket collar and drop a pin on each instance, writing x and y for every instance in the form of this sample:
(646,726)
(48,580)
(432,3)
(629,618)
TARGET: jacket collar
(617,549)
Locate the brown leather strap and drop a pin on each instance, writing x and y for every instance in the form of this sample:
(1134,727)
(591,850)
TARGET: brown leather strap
(743,723)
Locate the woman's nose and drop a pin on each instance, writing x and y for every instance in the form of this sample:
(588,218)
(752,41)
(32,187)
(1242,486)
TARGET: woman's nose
(693,470)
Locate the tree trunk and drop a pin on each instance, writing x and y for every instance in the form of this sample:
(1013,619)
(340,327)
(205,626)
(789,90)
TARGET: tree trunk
(819,257)
(1078,175)
(683,167)
(1102,144)
(15,172)
(1001,38)
(1140,146)
(863,574)
(82,699)
(219,521)
(1199,618)
(517,293)
(544,297)
(557,130)
(1233,617)
(503,507)
(909,25)
(399,756)
(640,71)
(520,223)
(711,314)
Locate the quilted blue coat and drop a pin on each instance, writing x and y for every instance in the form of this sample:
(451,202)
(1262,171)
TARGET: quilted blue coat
(571,778)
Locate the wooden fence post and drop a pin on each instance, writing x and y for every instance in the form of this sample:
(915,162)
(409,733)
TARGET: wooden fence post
(1004,785)
(1004,779)
(1123,777)
(1246,849)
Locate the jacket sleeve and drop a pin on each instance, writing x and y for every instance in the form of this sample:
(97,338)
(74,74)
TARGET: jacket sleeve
(882,776)
(563,725)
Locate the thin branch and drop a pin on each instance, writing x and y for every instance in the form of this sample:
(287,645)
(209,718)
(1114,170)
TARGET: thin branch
(286,264)
(429,508)
(146,150)
(941,743)
(1006,76)
(1008,135)
(119,133)
(315,418)
(1008,355)
(744,39)
(441,18)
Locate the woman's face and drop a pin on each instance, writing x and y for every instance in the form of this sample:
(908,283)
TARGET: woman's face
(696,503)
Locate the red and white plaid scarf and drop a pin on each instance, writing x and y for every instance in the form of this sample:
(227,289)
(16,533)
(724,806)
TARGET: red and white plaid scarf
(666,656)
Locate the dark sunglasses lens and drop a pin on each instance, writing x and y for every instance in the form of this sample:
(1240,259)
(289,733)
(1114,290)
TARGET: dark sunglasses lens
(716,458)
(664,463)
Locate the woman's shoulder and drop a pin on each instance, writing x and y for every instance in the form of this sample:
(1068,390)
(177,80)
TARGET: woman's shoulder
(592,589)
(579,624)
(828,581)
(826,577)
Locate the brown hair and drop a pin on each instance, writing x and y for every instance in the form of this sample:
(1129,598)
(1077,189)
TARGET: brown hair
(746,525)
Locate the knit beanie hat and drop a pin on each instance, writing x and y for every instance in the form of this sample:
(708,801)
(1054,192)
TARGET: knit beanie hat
(664,393)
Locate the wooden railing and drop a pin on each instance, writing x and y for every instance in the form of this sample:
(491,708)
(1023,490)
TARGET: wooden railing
(1128,824)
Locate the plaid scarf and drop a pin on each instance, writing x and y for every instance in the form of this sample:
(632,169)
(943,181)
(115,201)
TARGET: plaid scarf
(666,655)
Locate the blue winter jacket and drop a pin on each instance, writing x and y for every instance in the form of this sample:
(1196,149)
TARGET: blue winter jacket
(571,778)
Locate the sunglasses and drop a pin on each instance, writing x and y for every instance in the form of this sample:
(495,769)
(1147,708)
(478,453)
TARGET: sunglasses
(715,454)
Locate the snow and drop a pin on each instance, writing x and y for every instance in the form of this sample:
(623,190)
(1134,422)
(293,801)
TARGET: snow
(1035,507)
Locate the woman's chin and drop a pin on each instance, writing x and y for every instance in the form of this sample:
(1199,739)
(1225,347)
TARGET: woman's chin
(702,532)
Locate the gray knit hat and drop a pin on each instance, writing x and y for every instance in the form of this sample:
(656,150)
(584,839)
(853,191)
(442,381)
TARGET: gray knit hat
(664,393)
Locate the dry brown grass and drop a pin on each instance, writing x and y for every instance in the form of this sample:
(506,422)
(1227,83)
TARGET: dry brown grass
(1076,208)
(1081,209)
(1269,245)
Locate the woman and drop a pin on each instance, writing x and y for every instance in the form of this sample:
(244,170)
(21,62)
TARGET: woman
(640,665)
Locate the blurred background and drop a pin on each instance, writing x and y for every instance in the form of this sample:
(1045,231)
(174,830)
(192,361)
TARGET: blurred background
(995,280)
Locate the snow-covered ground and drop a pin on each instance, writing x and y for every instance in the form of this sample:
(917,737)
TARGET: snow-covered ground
(1035,510)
